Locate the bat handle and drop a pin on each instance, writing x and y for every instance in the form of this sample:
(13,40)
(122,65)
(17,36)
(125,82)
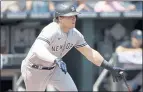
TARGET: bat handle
(122,73)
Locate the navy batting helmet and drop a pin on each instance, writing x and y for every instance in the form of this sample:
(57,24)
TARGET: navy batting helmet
(65,10)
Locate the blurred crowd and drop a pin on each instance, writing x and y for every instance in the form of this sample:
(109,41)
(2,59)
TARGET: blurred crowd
(43,6)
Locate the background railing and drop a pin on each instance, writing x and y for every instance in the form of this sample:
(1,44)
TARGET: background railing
(11,60)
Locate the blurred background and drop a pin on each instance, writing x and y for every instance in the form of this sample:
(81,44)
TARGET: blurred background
(105,24)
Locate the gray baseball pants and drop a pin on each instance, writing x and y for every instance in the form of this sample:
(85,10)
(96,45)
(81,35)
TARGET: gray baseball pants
(37,80)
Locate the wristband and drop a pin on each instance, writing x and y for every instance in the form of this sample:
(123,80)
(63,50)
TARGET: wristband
(57,60)
(106,65)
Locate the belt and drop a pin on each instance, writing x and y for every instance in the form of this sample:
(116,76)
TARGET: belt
(41,67)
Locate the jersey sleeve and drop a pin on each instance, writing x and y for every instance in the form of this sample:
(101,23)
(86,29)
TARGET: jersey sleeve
(80,42)
(46,35)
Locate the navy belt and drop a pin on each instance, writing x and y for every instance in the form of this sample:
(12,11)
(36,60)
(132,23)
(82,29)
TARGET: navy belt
(41,67)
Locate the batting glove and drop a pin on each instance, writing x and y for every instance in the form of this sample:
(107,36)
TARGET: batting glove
(61,65)
(116,74)
(115,71)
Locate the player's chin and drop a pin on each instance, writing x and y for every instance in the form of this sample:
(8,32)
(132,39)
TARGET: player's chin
(73,25)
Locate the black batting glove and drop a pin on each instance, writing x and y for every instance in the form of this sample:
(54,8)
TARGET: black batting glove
(115,71)
(116,74)
(61,65)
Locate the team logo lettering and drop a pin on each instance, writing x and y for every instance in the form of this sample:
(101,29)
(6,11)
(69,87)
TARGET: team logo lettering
(60,47)
(69,45)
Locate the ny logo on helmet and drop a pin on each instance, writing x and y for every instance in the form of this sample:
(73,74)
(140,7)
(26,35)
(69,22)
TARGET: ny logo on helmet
(73,8)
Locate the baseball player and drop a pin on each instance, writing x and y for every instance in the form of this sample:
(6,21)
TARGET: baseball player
(44,65)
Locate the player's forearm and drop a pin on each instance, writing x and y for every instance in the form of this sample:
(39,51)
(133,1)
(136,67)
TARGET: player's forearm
(91,54)
(98,60)
(95,57)
(42,53)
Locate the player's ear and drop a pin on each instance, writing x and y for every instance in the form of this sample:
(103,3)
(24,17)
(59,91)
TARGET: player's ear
(59,19)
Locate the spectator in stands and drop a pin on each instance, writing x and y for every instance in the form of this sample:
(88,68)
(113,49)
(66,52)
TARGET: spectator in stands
(134,45)
(130,55)
(113,6)
(138,4)
(129,6)
(13,6)
(84,5)
(39,6)
(108,6)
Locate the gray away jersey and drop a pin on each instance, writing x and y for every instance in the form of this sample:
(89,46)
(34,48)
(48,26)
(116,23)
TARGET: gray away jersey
(59,42)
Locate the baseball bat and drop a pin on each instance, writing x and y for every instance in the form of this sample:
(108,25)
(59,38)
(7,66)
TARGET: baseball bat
(124,79)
